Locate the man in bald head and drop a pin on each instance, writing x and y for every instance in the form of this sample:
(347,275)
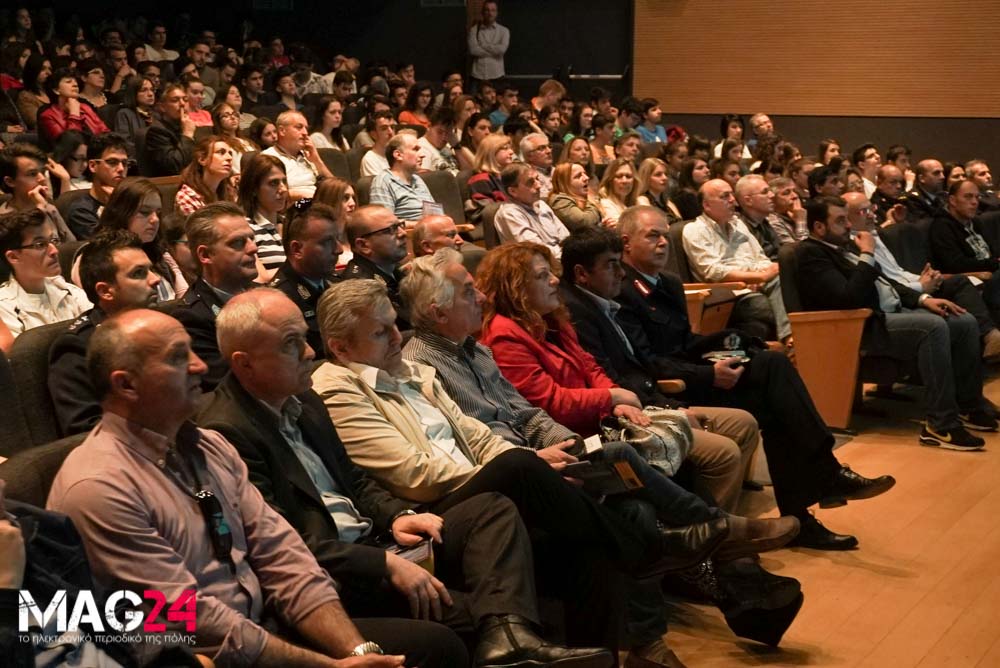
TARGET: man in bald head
(890,184)
(161,504)
(377,238)
(433,232)
(720,248)
(925,200)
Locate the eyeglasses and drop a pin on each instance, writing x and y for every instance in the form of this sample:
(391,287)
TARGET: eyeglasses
(115,163)
(229,114)
(41,244)
(391,229)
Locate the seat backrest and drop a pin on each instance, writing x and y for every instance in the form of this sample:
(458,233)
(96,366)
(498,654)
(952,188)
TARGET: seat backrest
(14,434)
(145,168)
(246,158)
(463,177)
(349,131)
(65,199)
(650,150)
(677,261)
(67,254)
(201,132)
(909,243)
(444,189)
(168,192)
(107,114)
(29,473)
(490,236)
(363,190)
(336,162)
(354,158)
(29,362)
(788,266)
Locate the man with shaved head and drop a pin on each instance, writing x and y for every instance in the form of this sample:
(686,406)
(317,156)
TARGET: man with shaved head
(482,551)
(890,184)
(435,231)
(924,200)
(378,240)
(296,151)
(720,248)
(161,504)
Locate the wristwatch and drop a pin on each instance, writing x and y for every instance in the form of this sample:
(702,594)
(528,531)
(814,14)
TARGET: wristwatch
(367,647)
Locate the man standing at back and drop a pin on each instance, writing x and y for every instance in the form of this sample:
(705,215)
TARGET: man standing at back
(488,42)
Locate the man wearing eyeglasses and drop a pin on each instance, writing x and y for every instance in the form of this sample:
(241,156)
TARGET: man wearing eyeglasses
(162,505)
(537,152)
(222,243)
(378,240)
(35,294)
(107,158)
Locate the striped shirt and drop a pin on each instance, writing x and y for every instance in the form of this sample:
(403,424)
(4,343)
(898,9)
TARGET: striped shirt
(406,200)
(269,248)
(474,382)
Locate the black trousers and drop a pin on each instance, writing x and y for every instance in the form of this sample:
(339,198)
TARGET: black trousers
(798,444)
(485,561)
(959,290)
(425,644)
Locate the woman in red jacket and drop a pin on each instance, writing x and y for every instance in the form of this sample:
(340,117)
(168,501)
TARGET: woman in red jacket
(66,112)
(535,346)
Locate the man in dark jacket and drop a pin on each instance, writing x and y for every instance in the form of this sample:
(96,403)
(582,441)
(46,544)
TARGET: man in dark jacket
(170,139)
(797,441)
(836,273)
(284,434)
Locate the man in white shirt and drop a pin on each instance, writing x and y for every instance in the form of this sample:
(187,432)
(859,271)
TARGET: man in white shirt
(436,153)
(720,248)
(156,48)
(381,126)
(867,160)
(525,217)
(35,294)
(303,165)
(488,42)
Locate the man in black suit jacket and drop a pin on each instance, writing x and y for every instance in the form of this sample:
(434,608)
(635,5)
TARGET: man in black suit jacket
(283,432)
(170,139)
(835,272)
(222,243)
(378,241)
(797,441)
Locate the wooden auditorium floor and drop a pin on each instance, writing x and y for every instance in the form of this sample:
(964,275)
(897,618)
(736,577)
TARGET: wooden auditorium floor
(923,589)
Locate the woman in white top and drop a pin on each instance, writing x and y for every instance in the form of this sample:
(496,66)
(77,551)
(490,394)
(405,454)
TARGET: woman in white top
(617,190)
(264,196)
(326,125)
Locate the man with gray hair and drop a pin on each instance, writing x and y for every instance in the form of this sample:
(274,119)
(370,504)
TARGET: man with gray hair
(161,504)
(398,188)
(789,218)
(537,152)
(433,232)
(756,201)
(222,243)
(481,549)
(720,247)
(303,166)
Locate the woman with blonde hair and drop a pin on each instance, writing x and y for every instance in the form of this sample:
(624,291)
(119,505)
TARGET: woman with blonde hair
(651,188)
(617,190)
(570,199)
(206,179)
(494,153)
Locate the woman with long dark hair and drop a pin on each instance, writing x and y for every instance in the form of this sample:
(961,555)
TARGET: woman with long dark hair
(33,97)
(694,172)
(136,112)
(263,195)
(206,178)
(417,109)
(326,124)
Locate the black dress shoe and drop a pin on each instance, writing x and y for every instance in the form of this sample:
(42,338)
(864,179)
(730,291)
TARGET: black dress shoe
(508,641)
(814,535)
(766,626)
(686,546)
(847,485)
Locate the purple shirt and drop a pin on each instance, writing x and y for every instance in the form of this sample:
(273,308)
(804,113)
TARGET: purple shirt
(143,531)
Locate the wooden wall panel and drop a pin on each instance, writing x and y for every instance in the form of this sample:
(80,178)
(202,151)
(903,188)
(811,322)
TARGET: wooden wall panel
(842,58)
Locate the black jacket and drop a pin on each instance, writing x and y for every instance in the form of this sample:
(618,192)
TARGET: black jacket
(362,267)
(306,297)
(921,205)
(73,396)
(950,252)
(598,337)
(275,470)
(659,314)
(201,306)
(167,150)
(827,280)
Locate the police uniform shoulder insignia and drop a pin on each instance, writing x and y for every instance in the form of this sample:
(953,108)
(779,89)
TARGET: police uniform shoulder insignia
(215,309)
(303,291)
(275,282)
(356,269)
(79,323)
(642,287)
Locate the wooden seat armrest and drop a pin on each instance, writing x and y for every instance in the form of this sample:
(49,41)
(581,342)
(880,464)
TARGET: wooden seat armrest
(732,285)
(821,316)
(671,386)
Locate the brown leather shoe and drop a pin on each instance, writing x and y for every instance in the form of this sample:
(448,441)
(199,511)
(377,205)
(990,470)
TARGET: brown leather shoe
(748,536)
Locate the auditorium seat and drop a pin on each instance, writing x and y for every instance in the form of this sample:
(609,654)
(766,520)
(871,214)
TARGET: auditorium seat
(336,162)
(66,199)
(14,433)
(67,254)
(444,188)
(908,243)
(363,189)
(354,158)
(29,473)
(29,364)
(709,305)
